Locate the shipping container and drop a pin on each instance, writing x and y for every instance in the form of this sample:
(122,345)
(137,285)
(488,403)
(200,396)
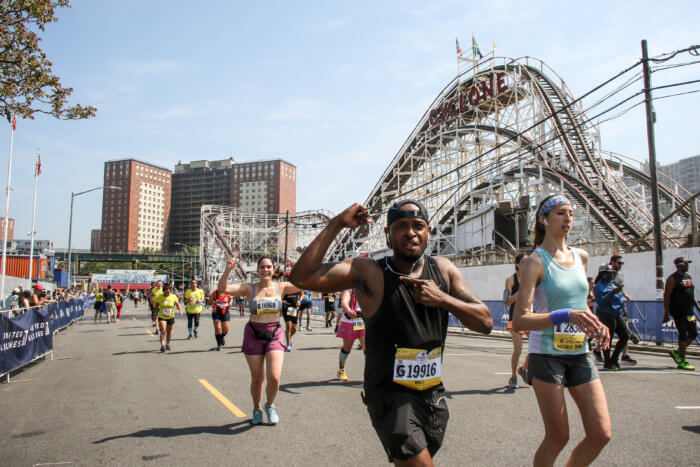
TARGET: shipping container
(18,266)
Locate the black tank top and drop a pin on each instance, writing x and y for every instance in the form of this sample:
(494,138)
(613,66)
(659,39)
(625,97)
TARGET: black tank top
(516,287)
(682,295)
(401,322)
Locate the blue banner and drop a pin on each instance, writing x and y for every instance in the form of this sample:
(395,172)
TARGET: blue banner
(24,337)
(64,313)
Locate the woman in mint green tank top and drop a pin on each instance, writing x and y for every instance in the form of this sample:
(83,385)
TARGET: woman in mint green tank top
(553,278)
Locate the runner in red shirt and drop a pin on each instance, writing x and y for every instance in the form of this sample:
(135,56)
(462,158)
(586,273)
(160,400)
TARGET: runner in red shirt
(221,316)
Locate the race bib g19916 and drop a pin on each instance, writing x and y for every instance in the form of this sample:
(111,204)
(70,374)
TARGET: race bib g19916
(568,337)
(418,369)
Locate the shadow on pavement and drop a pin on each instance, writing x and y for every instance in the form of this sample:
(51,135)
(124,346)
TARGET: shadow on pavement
(486,392)
(308,384)
(129,335)
(693,429)
(188,351)
(229,429)
(137,352)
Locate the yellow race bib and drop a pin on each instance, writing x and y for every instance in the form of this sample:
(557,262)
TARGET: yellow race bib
(265,306)
(358,324)
(417,368)
(568,337)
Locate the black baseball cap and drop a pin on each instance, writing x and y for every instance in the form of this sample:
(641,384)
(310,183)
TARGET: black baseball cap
(680,260)
(395,213)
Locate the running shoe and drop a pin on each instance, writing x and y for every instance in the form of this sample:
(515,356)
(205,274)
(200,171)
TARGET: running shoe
(308,328)
(684,365)
(634,338)
(342,376)
(162,348)
(513,382)
(156,333)
(218,348)
(257,416)
(611,366)
(196,335)
(167,346)
(629,360)
(223,342)
(189,337)
(271,412)
(676,356)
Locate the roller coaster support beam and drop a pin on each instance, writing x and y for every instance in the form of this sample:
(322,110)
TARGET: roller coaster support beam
(658,247)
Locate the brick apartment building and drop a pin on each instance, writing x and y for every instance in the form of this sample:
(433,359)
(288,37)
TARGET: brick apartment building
(267,186)
(135,216)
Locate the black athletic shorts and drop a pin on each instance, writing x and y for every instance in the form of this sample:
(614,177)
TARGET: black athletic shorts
(409,422)
(569,370)
(217,315)
(288,318)
(686,329)
(306,306)
(169,321)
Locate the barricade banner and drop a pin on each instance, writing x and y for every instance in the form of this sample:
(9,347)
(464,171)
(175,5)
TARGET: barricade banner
(24,337)
(645,320)
(64,313)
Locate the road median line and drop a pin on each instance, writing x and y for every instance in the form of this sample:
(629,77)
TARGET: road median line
(227,403)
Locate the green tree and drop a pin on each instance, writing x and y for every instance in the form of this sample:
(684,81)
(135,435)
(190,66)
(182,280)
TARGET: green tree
(27,82)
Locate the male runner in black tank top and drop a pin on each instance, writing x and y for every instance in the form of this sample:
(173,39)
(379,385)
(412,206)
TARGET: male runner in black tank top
(679,302)
(405,300)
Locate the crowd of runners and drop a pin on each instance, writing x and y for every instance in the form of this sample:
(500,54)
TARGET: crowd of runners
(397,310)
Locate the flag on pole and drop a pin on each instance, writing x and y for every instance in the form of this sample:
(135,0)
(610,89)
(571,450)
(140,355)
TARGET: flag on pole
(14,122)
(38,166)
(459,49)
(475,49)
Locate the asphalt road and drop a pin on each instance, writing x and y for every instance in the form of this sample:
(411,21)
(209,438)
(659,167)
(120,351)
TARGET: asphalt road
(109,397)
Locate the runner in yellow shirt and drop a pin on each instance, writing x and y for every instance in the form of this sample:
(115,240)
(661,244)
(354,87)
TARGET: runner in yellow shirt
(165,303)
(194,299)
(153,294)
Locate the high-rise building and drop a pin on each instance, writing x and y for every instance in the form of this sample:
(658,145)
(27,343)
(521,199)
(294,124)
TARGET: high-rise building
(264,186)
(267,186)
(685,171)
(135,206)
(195,184)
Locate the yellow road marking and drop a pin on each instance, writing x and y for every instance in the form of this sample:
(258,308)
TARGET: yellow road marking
(150,332)
(227,403)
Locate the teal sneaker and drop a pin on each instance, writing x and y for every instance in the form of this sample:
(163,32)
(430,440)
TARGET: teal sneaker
(271,412)
(257,416)
(676,356)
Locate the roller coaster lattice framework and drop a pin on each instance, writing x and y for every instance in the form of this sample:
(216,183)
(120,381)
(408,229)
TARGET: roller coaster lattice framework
(503,134)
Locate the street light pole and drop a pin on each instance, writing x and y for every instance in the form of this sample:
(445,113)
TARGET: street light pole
(70,228)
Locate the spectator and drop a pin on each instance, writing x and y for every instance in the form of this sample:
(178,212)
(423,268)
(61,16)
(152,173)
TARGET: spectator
(680,304)
(616,264)
(110,303)
(610,308)
(38,298)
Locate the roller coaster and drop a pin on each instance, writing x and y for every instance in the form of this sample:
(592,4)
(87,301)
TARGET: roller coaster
(500,136)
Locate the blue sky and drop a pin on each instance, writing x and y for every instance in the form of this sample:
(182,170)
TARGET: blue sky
(333,87)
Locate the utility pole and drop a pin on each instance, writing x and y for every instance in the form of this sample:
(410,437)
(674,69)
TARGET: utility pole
(651,118)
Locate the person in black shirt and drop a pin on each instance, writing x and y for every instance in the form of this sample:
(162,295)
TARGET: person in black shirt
(679,302)
(405,300)
(510,294)
(290,314)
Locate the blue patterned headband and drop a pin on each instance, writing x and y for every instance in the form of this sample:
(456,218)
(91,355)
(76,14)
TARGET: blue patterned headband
(552,203)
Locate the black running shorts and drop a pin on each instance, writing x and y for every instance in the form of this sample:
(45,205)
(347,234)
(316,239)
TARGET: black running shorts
(569,370)
(407,422)
(218,316)
(686,329)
